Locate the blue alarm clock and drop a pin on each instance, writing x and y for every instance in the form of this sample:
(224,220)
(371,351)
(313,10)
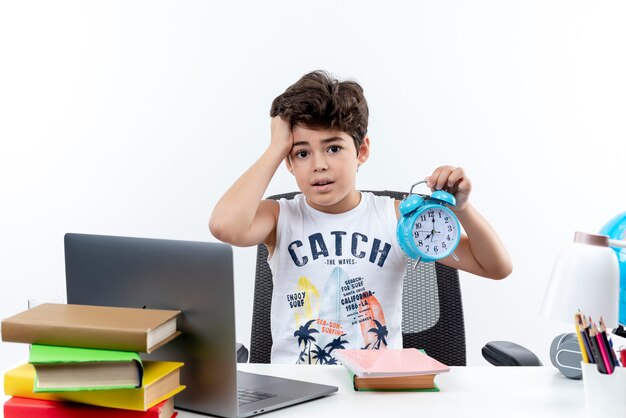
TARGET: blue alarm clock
(428,230)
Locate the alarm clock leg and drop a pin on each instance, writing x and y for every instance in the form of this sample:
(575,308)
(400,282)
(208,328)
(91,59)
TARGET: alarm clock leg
(416,262)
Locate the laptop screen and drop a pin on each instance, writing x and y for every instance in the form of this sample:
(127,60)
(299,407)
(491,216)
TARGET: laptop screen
(195,277)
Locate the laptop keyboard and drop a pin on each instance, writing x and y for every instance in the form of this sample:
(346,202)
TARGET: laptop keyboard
(245,396)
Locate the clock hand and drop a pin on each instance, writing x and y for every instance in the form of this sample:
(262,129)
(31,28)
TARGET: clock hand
(433,232)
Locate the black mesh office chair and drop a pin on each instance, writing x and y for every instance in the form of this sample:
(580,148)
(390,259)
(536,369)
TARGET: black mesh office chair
(432,311)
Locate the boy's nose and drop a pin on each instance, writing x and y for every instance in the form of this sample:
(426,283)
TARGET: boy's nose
(319,163)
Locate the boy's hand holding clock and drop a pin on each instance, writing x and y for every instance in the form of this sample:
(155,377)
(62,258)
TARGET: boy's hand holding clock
(454,181)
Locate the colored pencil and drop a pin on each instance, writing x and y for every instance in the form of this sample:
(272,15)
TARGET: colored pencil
(583,349)
(587,344)
(603,352)
(608,343)
(596,351)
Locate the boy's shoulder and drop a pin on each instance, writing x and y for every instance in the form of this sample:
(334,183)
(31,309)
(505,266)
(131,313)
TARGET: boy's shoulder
(296,203)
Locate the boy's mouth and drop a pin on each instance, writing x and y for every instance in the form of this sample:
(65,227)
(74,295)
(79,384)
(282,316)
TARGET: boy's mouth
(322,183)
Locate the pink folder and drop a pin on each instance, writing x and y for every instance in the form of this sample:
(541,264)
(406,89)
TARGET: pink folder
(389,362)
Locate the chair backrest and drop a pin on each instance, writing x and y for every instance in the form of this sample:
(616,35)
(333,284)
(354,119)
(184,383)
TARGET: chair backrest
(432,310)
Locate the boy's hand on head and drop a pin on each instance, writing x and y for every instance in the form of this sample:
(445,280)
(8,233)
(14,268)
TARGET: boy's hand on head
(452,180)
(282,135)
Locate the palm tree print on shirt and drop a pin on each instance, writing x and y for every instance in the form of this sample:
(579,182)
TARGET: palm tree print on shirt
(320,355)
(325,357)
(336,344)
(304,337)
(381,334)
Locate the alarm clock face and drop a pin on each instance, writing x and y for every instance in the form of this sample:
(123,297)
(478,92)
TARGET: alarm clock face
(435,232)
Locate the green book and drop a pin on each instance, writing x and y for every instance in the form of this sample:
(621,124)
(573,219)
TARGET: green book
(61,369)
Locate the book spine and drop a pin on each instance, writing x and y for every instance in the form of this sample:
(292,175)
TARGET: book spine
(52,409)
(22,386)
(391,384)
(165,376)
(72,336)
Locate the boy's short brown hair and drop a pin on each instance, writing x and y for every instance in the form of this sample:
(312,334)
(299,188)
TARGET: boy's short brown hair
(320,101)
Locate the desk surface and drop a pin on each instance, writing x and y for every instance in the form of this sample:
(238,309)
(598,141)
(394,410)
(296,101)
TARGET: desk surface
(484,392)
(465,392)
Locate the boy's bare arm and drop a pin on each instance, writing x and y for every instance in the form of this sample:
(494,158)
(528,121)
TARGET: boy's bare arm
(480,250)
(241,216)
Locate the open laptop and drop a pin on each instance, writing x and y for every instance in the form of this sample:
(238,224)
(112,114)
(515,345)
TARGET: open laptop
(197,278)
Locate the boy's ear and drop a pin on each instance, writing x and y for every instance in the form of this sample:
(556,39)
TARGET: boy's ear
(364,150)
(288,164)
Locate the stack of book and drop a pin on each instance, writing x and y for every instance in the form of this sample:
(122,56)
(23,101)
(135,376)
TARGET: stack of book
(405,369)
(84,362)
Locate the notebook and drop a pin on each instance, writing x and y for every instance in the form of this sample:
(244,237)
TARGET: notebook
(390,362)
(197,278)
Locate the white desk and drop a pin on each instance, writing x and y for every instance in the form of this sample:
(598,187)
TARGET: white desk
(502,392)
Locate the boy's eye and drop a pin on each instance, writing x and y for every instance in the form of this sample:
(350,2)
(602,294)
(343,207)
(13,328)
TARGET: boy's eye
(301,154)
(334,149)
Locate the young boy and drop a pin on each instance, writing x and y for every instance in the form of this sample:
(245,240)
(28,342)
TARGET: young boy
(335,260)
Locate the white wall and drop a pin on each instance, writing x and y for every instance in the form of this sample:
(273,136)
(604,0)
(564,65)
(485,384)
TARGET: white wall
(132,117)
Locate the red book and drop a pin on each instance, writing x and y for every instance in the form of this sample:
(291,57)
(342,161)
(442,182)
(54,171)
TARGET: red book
(37,408)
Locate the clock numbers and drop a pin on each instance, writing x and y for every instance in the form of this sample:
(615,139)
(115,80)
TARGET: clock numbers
(428,229)
(434,232)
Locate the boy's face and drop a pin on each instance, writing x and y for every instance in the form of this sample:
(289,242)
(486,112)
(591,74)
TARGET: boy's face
(325,165)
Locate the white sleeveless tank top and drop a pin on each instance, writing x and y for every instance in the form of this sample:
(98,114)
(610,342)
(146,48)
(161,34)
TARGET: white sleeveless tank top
(337,280)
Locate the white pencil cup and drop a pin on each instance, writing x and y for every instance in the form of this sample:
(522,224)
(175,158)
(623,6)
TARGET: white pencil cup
(604,393)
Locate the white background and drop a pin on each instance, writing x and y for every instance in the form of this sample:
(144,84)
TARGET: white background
(133,117)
